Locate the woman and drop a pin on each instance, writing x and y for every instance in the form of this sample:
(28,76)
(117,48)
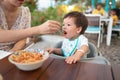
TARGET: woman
(14,17)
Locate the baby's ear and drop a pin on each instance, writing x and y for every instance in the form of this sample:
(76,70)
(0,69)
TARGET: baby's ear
(79,30)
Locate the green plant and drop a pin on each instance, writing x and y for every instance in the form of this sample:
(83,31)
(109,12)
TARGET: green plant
(31,4)
(48,14)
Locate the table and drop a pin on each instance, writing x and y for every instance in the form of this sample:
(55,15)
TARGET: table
(109,29)
(116,72)
(10,72)
(57,69)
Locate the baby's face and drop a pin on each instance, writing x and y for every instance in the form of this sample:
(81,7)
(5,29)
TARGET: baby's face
(112,13)
(69,28)
(99,7)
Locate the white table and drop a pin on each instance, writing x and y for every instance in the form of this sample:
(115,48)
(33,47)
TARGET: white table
(109,29)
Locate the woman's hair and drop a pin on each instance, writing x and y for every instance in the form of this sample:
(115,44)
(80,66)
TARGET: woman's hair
(80,20)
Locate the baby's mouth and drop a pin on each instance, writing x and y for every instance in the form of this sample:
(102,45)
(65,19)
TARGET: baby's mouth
(64,32)
(20,0)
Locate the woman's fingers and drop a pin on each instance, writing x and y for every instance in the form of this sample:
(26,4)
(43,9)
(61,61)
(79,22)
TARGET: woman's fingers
(54,22)
(50,27)
(53,30)
(54,25)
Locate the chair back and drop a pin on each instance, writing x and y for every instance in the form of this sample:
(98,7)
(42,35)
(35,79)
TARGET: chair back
(94,26)
(117,27)
(92,50)
(93,20)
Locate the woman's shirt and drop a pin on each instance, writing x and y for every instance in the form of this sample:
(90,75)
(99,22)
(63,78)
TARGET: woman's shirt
(23,21)
(70,46)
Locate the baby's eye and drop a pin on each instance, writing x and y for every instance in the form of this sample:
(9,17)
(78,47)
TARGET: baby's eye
(68,25)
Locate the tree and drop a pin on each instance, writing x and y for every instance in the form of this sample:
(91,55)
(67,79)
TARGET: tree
(31,4)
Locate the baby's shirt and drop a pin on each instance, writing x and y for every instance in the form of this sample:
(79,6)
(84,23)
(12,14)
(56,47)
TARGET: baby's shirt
(70,46)
(115,19)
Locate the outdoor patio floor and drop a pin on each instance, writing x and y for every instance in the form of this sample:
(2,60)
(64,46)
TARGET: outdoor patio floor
(112,52)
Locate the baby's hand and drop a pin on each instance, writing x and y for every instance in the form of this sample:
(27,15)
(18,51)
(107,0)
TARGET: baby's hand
(50,50)
(72,59)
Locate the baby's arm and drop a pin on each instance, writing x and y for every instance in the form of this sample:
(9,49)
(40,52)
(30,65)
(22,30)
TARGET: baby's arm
(78,54)
(54,50)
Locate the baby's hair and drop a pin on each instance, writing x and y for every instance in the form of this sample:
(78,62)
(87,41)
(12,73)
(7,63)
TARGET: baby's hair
(113,10)
(80,20)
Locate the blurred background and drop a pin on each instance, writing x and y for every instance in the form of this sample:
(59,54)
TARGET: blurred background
(43,10)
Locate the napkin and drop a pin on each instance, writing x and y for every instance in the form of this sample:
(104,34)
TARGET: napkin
(4,54)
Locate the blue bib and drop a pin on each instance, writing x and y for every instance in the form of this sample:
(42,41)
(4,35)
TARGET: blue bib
(69,48)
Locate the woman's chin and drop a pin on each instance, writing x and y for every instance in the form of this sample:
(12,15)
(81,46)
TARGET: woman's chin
(20,4)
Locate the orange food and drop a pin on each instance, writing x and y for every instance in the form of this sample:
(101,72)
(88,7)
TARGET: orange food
(27,57)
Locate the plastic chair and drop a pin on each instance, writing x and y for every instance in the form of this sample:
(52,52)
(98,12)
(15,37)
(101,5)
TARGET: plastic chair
(94,26)
(93,55)
(117,27)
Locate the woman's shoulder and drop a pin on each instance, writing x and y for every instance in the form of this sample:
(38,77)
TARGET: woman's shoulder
(25,9)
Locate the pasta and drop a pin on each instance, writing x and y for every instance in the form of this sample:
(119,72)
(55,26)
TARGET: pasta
(27,57)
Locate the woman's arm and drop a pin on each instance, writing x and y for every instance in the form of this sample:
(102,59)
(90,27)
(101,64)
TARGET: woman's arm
(15,35)
(19,45)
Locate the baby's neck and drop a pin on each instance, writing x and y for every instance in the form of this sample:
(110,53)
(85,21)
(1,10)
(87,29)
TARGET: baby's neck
(73,38)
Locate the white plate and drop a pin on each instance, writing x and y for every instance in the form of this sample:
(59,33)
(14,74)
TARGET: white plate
(29,66)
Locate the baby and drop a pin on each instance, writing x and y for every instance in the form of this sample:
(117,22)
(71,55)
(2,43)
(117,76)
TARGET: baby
(76,44)
(114,16)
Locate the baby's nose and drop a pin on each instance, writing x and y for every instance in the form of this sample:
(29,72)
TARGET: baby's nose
(63,28)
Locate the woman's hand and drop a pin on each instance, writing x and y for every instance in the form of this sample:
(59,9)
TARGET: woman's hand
(49,27)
